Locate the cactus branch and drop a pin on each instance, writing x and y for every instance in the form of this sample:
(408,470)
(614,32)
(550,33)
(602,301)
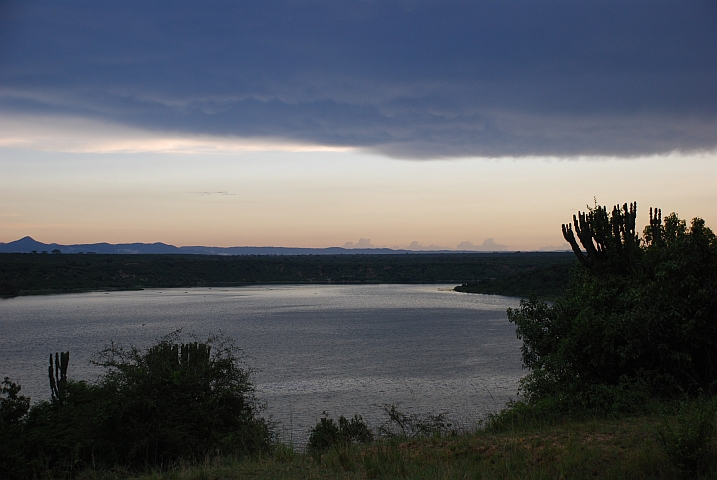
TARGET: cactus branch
(58,377)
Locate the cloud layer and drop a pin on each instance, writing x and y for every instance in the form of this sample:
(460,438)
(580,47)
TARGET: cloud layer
(405,78)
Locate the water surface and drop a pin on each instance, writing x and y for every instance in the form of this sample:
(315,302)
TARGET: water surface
(343,349)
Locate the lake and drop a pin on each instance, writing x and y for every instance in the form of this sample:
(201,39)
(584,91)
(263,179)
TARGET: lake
(343,349)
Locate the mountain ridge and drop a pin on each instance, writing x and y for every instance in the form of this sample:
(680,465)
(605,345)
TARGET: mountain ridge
(28,244)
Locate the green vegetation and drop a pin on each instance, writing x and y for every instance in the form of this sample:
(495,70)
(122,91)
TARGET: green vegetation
(639,319)
(607,448)
(149,409)
(546,282)
(27,274)
(689,440)
(638,324)
(402,425)
(328,434)
(52,441)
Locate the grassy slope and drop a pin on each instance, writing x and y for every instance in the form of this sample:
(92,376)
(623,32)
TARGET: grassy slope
(624,448)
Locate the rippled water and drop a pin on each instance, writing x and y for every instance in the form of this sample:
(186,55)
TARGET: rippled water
(343,349)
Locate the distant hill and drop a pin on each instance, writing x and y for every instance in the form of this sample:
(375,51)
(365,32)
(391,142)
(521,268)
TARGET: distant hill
(29,245)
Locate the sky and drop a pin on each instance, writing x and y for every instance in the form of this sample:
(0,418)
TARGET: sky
(409,124)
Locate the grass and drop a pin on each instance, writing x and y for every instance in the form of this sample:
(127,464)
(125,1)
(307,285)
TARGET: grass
(595,448)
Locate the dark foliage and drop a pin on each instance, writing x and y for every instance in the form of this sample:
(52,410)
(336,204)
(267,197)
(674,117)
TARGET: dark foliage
(151,408)
(689,441)
(610,241)
(400,424)
(639,318)
(8,289)
(327,433)
(13,409)
(547,282)
(30,274)
(180,401)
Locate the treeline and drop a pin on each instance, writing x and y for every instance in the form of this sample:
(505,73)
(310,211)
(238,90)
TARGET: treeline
(546,282)
(27,274)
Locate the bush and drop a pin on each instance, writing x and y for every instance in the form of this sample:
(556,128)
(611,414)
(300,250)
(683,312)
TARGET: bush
(404,425)
(174,401)
(179,401)
(63,439)
(13,409)
(327,434)
(690,441)
(639,319)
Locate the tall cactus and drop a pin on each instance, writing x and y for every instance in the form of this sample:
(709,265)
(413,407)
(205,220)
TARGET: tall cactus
(654,233)
(58,377)
(187,357)
(195,354)
(609,240)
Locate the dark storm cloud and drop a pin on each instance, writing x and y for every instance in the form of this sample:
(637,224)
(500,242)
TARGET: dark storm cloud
(410,79)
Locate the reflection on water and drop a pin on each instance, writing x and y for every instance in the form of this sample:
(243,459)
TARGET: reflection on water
(343,349)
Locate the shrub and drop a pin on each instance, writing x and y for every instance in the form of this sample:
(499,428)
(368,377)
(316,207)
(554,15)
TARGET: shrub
(327,434)
(639,319)
(405,425)
(64,438)
(179,401)
(690,441)
(174,401)
(13,409)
